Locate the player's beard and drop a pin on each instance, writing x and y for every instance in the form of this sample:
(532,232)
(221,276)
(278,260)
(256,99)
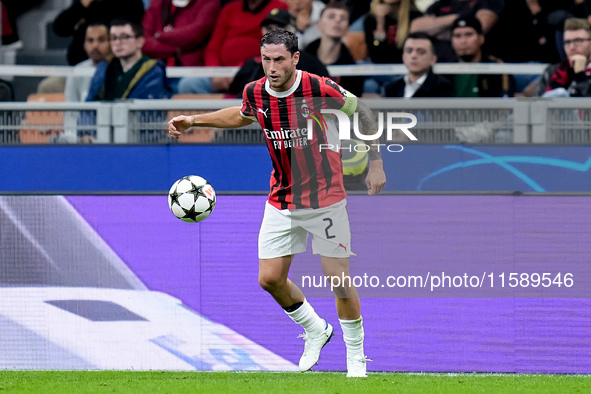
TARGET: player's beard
(281,80)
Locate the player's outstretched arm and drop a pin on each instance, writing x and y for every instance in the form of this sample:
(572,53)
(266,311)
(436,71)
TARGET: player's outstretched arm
(226,118)
(376,177)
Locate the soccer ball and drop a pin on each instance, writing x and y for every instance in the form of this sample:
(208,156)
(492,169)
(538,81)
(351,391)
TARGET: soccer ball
(191,199)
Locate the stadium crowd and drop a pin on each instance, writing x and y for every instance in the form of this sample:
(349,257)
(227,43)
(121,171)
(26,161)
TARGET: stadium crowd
(331,32)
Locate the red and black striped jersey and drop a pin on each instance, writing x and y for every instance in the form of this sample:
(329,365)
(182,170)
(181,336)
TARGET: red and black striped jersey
(304,175)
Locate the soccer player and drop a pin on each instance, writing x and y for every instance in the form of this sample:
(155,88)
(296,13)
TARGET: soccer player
(307,194)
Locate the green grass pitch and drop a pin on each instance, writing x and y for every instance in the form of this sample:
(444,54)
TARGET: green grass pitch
(264,382)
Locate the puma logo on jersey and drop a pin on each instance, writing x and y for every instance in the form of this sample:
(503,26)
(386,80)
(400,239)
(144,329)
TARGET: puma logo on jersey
(263,112)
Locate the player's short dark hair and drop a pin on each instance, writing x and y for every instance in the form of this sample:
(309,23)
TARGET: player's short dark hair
(335,5)
(137,28)
(419,35)
(281,36)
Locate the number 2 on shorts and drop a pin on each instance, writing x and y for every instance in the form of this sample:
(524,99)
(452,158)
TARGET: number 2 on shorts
(328,236)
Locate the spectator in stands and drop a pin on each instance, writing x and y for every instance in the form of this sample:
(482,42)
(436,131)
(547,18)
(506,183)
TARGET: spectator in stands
(467,40)
(130,74)
(235,39)
(334,24)
(559,12)
(420,81)
(252,69)
(440,17)
(96,45)
(307,15)
(177,30)
(73,21)
(386,28)
(572,77)
(522,33)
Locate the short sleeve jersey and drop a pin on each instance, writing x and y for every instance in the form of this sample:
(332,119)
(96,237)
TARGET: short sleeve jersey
(307,170)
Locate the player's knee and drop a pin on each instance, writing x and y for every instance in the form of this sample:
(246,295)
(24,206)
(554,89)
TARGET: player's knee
(271,283)
(345,292)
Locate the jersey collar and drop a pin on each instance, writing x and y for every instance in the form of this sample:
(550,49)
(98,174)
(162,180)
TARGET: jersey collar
(287,92)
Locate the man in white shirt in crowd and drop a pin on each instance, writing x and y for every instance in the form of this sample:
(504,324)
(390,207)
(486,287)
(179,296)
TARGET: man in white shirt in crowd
(96,45)
(98,49)
(419,58)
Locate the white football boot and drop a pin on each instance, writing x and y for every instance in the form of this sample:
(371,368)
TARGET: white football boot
(357,366)
(313,346)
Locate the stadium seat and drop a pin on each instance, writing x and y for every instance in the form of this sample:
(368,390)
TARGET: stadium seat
(49,123)
(196,134)
(355,42)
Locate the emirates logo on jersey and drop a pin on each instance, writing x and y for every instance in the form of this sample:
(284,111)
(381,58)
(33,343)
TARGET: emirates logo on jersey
(287,138)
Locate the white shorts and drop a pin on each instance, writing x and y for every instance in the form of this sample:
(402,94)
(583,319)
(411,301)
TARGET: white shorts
(285,232)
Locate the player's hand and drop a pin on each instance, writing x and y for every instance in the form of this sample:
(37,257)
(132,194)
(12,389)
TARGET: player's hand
(578,62)
(178,125)
(376,177)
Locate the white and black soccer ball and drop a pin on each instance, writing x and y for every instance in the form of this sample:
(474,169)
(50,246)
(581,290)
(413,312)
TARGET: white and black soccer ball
(191,199)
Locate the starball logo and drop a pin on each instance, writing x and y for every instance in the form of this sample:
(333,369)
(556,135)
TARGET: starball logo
(344,128)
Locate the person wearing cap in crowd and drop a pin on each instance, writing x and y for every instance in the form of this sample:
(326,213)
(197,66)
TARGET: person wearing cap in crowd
(440,16)
(467,39)
(418,55)
(252,69)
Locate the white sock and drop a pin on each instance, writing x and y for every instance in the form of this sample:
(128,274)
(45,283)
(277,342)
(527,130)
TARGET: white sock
(353,335)
(307,317)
